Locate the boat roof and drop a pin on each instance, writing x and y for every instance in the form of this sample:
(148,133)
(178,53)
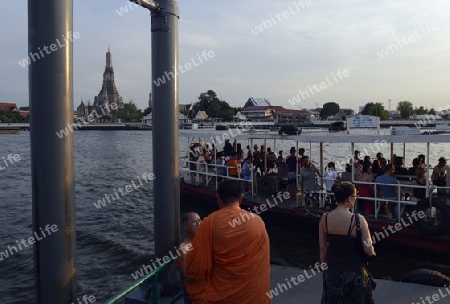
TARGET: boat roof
(318,137)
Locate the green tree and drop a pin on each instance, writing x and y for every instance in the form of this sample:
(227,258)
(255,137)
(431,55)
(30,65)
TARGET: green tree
(405,108)
(329,109)
(375,109)
(213,106)
(106,118)
(130,113)
(420,110)
(432,111)
(12,117)
(237,109)
(147,111)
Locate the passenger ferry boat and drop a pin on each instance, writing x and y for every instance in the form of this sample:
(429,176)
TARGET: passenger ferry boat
(430,230)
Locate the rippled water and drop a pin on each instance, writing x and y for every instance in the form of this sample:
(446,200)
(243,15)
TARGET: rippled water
(112,242)
(116,240)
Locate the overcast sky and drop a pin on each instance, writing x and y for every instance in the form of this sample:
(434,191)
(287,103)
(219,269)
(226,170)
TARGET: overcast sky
(300,44)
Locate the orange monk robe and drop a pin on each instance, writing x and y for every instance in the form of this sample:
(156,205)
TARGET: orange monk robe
(195,289)
(235,262)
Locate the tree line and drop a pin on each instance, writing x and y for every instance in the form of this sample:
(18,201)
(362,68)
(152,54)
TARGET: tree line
(219,110)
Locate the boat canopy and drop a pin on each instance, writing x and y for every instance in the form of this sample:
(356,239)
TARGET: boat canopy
(321,137)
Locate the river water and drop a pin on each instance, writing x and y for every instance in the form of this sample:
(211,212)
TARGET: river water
(116,240)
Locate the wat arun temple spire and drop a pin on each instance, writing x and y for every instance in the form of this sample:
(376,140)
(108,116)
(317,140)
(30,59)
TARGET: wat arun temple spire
(108,101)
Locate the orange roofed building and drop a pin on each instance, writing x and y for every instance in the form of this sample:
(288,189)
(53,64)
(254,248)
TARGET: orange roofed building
(8,107)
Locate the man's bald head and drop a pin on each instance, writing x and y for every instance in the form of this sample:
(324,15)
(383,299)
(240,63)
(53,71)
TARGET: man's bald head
(191,222)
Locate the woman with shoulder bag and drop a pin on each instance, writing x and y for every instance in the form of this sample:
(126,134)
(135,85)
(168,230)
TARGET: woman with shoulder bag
(345,280)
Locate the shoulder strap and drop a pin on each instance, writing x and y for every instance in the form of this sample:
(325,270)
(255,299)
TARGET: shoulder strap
(349,233)
(326,221)
(358,226)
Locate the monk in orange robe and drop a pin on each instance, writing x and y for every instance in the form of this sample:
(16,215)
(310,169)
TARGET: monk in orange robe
(231,252)
(194,288)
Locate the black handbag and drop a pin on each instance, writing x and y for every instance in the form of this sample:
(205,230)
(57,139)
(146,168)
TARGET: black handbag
(364,257)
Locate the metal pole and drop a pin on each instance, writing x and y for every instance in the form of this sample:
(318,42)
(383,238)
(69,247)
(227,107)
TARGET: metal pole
(50,24)
(165,130)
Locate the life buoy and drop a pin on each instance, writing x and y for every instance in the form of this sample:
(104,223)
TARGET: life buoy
(437,216)
(426,277)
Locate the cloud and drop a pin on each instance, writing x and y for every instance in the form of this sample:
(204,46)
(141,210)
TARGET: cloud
(276,63)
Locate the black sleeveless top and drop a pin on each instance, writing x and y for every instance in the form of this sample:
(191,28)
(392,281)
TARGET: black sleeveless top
(342,252)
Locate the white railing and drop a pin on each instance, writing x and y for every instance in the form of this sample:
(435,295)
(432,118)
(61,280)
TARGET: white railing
(214,172)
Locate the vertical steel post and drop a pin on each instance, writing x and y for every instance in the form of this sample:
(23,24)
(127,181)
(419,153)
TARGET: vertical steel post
(166,159)
(50,25)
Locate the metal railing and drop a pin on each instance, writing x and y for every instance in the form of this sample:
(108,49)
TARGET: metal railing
(155,294)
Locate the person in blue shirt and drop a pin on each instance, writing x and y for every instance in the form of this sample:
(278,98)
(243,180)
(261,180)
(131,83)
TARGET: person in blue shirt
(246,170)
(386,191)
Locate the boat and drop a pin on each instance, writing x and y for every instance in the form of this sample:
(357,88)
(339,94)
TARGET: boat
(289,130)
(9,130)
(222,127)
(442,128)
(431,231)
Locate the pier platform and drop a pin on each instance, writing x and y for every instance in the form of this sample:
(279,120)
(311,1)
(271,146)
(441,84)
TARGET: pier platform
(310,290)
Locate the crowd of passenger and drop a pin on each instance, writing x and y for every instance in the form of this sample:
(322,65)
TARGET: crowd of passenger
(233,162)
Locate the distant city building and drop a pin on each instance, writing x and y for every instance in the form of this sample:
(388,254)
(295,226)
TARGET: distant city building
(148,120)
(185,107)
(8,107)
(263,111)
(108,101)
(394,115)
(201,115)
(257,102)
(12,107)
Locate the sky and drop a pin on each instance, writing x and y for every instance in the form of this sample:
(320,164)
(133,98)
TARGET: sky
(297,54)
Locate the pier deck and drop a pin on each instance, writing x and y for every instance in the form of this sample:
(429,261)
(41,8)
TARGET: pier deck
(310,291)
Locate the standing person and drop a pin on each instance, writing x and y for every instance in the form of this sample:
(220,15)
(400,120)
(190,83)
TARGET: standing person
(282,171)
(357,164)
(399,165)
(385,191)
(347,175)
(345,280)
(439,175)
(271,159)
(247,172)
(330,177)
(291,162)
(419,193)
(249,152)
(201,166)
(256,159)
(415,166)
(233,258)
(376,166)
(228,148)
(194,288)
(301,154)
(366,190)
(234,165)
(308,177)
(262,159)
(240,153)
(422,162)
